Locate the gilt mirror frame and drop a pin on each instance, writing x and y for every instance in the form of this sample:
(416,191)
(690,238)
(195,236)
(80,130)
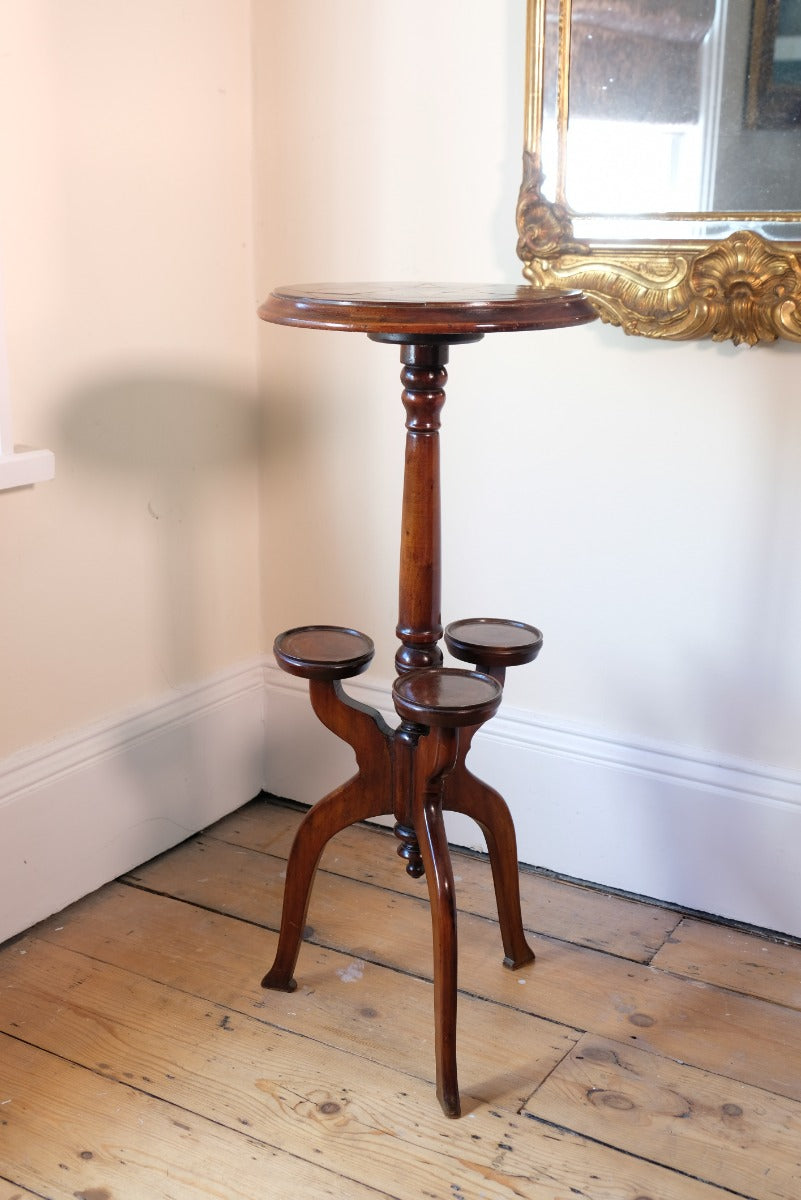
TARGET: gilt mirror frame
(741,286)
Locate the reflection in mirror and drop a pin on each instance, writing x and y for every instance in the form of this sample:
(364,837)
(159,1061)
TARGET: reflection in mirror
(773,97)
(652,123)
(639,106)
(684,103)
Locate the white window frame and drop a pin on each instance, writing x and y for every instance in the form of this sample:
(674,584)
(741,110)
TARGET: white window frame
(20,466)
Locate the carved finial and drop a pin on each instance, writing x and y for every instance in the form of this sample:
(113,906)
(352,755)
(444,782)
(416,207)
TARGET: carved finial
(409,850)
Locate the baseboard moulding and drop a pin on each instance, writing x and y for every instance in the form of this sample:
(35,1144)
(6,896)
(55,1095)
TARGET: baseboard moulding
(707,833)
(711,835)
(91,804)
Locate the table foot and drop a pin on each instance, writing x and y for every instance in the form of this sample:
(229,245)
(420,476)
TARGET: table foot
(277,981)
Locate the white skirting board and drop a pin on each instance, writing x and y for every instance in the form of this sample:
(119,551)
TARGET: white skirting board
(721,836)
(88,806)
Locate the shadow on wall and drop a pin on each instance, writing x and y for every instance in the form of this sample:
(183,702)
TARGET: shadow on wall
(168,461)
(174,437)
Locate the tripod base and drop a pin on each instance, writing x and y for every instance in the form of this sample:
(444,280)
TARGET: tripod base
(413,773)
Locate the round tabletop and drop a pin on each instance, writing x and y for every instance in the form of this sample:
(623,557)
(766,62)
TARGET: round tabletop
(425,309)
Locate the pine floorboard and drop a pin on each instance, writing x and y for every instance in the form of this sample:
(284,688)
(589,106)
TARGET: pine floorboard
(645,1055)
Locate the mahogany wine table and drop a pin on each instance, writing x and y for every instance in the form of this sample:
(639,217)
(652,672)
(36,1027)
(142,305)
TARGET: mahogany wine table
(418,770)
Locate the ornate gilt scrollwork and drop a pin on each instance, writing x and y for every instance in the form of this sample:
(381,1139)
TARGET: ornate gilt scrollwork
(743,288)
(544,229)
(676,285)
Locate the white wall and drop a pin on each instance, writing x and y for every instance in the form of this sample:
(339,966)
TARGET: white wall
(639,501)
(130,583)
(127,251)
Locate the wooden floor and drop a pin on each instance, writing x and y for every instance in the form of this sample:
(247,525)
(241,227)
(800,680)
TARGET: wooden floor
(644,1056)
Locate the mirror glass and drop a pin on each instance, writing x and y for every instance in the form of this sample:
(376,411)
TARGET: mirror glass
(687,110)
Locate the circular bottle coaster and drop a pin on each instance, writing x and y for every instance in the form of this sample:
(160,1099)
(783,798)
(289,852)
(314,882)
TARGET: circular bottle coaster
(323,651)
(492,641)
(446,696)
